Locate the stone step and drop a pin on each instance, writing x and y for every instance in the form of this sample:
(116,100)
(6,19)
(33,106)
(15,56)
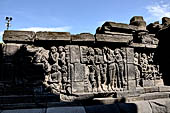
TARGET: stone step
(12,99)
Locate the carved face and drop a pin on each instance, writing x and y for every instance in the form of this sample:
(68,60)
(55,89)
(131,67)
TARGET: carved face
(60,48)
(136,55)
(53,49)
(43,59)
(144,55)
(55,67)
(116,51)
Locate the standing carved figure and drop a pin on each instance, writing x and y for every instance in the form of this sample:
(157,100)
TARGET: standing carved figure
(137,66)
(54,55)
(144,65)
(112,70)
(65,79)
(62,55)
(46,69)
(98,65)
(90,59)
(120,63)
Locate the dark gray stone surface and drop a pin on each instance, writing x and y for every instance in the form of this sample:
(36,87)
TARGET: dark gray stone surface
(18,36)
(114,38)
(118,61)
(54,36)
(75,54)
(83,37)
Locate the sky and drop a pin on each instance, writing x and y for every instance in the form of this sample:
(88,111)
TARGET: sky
(77,16)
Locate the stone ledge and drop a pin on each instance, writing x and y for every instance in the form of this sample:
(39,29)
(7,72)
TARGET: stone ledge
(18,36)
(53,36)
(87,37)
(114,38)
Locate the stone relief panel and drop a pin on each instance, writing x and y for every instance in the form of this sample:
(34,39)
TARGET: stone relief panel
(77,69)
(103,68)
(145,69)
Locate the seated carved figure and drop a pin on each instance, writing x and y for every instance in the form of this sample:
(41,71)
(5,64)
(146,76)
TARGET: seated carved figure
(55,79)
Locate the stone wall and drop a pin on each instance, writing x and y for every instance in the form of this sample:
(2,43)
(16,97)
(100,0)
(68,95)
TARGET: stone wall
(118,58)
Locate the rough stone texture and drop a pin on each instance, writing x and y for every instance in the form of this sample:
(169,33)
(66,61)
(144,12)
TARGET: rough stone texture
(102,109)
(143,107)
(114,66)
(159,82)
(114,38)
(131,71)
(148,83)
(164,88)
(139,22)
(117,27)
(83,37)
(18,36)
(130,55)
(166,21)
(53,36)
(75,54)
(10,51)
(79,72)
(77,87)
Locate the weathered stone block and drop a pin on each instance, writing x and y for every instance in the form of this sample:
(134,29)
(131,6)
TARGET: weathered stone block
(165,21)
(10,49)
(159,82)
(118,27)
(131,71)
(83,51)
(156,95)
(143,107)
(139,22)
(148,83)
(75,54)
(77,87)
(158,106)
(164,88)
(130,55)
(79,72)
(119,38)
(18,36)
(54,36)
(83,37)
(131,84)
(151,89)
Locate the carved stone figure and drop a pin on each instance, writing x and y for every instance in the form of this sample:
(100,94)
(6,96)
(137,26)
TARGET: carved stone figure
(62,56)
(120,63)
(90,58)
(144,64)
(137,67)
(112,70)
(65,77)
(55,79)
(38,55)
(54,55)
(98,65)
